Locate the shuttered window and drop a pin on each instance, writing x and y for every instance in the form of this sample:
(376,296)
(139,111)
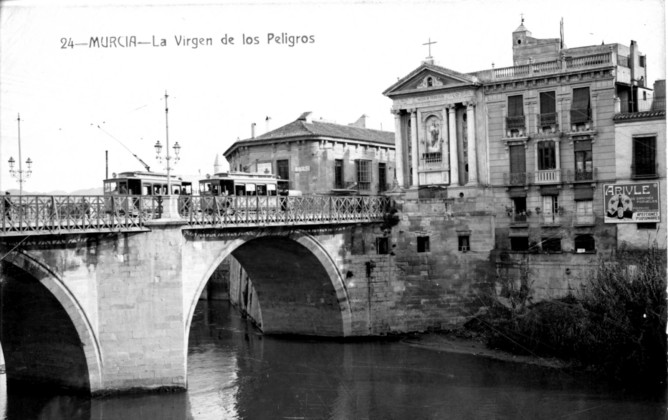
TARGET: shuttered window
(515,106)
(580,108)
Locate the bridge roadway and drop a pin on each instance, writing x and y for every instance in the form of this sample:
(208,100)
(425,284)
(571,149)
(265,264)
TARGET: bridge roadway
(98,292)
(48,215)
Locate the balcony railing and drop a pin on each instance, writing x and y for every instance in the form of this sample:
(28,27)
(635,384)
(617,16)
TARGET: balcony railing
(433,157)
(517,122)
(516,178)
(551,176)
(547,120)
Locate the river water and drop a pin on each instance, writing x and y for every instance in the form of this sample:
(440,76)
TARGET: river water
(235,373)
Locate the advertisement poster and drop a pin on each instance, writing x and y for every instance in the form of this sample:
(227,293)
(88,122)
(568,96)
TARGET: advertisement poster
(632,203)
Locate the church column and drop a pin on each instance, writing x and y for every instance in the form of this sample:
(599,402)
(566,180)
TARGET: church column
(473,158)
(452,137)
(414,147)
(445,146)
(398,149)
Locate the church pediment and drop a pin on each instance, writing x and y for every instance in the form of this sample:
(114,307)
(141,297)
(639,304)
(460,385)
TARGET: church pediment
(430,77)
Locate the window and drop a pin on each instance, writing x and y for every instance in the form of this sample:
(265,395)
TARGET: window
(520,209)
(283,169)
(641,61)
(584,243)
(551,244)
(363,174)
(548,110)
(584,165)
(520,243)
(584,213)
(644,157)
(550,208)
(382,246)
(338,173)
(464,243)
(515,119)
(546,155)
(423,244)
(517,165)
(581,106)
(382,177)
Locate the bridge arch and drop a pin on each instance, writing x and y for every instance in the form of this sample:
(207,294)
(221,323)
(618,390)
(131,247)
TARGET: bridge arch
(299,286)
(79,369)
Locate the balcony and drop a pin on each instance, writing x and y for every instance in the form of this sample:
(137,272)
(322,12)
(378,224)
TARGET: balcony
(551,176)
(516,126)
(515,178)
(548,123)
(581,176)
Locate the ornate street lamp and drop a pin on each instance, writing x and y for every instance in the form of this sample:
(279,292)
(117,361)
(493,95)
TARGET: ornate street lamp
(20,174)
(168,157)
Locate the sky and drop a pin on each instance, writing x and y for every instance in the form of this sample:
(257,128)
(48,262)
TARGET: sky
(77,102)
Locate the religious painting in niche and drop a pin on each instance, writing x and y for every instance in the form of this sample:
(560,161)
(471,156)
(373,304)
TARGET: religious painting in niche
(433,134)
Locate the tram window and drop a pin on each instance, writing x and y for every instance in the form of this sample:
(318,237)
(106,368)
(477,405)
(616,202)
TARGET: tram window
(227,186)
(147,189)
(123,188)
(205,188)
(271,190)
(250,189)
(176,189)
(110,188)
(215,189)
(240,189)
(261,189)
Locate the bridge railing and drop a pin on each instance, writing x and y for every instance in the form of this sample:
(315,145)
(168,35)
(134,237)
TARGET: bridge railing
(58,214)
(69,213)
(280,210)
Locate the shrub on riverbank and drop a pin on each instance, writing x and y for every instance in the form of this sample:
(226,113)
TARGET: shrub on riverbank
(616,324)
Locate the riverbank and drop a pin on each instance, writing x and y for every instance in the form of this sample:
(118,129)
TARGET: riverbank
(464,342)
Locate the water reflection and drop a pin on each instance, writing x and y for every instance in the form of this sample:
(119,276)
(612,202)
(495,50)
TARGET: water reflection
(235,373)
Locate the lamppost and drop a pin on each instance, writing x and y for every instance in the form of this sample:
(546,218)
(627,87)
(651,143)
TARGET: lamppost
(168,157)
(20,174)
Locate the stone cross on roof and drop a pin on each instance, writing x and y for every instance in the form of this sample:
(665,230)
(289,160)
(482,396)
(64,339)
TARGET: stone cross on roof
(429,44)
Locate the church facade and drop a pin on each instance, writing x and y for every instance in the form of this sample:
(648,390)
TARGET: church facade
(523,158)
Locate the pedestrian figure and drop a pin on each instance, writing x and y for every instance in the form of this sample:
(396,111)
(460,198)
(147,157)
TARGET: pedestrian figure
(8,206)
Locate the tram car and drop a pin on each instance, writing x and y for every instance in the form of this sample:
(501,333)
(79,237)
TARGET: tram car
(226,192)
(124,192)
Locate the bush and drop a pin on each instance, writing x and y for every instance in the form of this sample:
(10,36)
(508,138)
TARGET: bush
(615,325)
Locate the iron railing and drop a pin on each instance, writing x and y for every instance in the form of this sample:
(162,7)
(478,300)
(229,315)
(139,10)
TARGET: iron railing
(281,210)
(56,214)
(73,214)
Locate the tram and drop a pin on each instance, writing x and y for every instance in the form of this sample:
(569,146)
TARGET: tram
(145,183)
(224,192)
(130,193)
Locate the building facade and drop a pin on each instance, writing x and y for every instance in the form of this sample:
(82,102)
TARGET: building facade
(538,147)
(318,157)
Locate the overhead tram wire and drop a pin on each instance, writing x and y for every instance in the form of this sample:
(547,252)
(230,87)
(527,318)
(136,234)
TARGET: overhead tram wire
(148,169)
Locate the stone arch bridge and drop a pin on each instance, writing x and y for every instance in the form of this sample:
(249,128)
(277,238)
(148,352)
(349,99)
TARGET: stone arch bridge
(107,308)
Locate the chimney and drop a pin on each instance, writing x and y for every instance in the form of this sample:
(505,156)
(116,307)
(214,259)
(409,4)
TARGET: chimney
(253,130)
(267,123)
